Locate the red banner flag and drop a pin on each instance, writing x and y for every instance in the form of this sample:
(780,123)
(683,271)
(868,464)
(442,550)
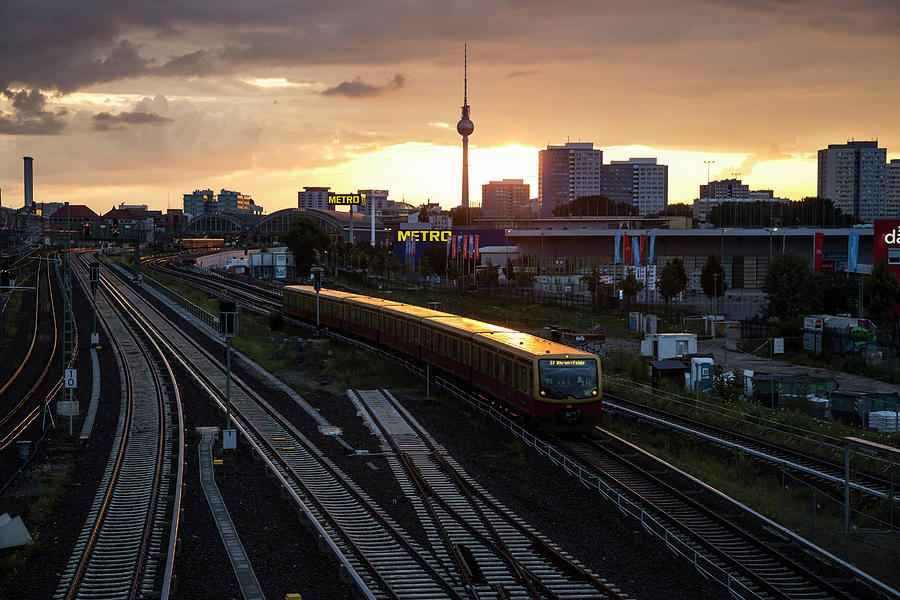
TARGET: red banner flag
(817,250)
(477,243)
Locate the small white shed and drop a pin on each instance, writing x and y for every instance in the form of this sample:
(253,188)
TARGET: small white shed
(662,346)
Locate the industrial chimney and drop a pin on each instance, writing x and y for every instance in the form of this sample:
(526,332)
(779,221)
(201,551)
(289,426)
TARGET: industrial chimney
(29,181)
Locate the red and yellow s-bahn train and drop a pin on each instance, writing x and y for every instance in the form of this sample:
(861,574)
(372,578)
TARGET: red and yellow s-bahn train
(556,386)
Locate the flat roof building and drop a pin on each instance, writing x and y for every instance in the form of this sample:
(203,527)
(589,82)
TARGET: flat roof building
(504,199)
(568,172)
(639,182)
(314,197)
(853,176)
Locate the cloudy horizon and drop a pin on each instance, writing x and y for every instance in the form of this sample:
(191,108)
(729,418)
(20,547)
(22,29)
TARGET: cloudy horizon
(143,102)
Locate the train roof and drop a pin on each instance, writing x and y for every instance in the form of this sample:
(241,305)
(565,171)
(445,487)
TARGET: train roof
(310,290)
(371,302)
(525,344)
(456,323)
(411,310)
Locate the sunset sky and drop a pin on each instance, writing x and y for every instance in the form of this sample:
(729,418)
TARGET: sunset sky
(141,102)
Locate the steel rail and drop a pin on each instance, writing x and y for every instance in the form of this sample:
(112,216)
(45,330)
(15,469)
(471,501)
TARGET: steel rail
(277,459)
(752,446)
(34,335)
(729,542)
(555,563)
(21,427)
(126,495)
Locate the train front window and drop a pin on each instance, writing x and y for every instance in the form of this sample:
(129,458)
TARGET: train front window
(567,377)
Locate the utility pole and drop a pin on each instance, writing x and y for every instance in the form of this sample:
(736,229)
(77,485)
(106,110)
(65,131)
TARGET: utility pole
(228,328)
(707,163)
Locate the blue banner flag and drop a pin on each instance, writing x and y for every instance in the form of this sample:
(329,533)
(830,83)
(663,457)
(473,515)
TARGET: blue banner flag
(618,249)
(636,249)
(853,251)
(652,256)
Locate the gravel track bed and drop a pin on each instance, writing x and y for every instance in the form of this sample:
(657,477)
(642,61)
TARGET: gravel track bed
(57,532)
(617,549)
(285,555)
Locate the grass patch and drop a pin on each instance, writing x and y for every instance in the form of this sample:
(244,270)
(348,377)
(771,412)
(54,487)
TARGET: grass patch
(503,310)
(49,498)
(789,502)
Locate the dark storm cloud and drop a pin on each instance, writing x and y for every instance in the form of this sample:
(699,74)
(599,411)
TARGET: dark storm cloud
(66,46)
(28,116)
(360,89)
(515,74)
(107,121)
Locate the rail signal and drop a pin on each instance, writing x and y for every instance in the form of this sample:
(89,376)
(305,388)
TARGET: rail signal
(86,229)
(227,318)
(228,328)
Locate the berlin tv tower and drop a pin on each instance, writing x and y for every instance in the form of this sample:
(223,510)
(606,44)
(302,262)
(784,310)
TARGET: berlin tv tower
(465,127)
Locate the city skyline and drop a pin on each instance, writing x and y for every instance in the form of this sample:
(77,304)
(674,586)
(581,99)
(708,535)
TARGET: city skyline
(143,106)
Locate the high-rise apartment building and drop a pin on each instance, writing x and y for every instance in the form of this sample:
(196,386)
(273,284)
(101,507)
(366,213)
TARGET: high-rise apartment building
(314,197)
(853,176)
(566,173)
(722,189)
(639,182)
(505,199)
(892,190)
(199,202)
(226,201)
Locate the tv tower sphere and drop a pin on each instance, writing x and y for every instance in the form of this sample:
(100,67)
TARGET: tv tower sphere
(465,127)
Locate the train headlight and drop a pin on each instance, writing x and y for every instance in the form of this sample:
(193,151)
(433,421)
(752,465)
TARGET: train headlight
(543,393)
(593,392)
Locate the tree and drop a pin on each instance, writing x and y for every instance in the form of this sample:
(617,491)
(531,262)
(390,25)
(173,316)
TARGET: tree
(789,286)
(459,219)
(673,279)
(631,286)
(425,267)
(488,276)
(598,289)
(881,291)
(437,256)
(594,206)
(305,239)
(835,293)
(712,277)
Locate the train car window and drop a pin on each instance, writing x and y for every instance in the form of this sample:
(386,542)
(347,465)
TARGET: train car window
(476,358)
(454,348)
(523,378)
(505,371)
(466,353)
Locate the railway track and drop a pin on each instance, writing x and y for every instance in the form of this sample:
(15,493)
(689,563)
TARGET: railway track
(814,469)
(31,386)
(493,550)
(375,553)
(765,572)
(759,567)
(123,550)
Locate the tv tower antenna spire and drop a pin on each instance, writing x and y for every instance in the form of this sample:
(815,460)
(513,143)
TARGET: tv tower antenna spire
(465,127)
